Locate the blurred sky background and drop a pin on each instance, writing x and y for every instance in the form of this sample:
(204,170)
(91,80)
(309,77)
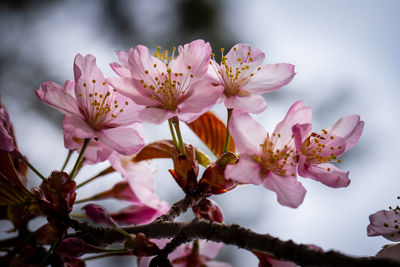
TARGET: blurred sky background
(347,61)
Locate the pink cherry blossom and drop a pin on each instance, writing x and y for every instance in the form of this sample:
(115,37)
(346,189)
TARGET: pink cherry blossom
(166,85)
(245,78)
(317,150)
(93,109)
(140,178)
(6,137)
(385,223)
(200,253)
(268,159)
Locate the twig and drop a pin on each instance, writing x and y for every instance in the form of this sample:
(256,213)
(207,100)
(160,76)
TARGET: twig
(234,235)
(180,207)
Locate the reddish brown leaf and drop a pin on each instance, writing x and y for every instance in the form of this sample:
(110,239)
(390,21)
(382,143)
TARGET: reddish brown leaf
(212,131)
(159,149)
(163,149)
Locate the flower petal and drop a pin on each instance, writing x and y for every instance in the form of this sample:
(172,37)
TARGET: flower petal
(289,191)
(244,52)
(325,173)
(297,113)
(349,128)
(78,127)
(155,115)
(384,223)
(246,171)
(56,96)
(95,152)
(246,141)
(195,55)
(249,104)
(201,96)
(270,78)
(124,140)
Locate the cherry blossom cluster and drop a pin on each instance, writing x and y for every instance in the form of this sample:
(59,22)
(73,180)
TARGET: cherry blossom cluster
(103,122)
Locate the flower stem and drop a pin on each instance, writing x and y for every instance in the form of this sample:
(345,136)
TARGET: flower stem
(175,121)
(85,199)
(67,159)
(43,262)
(173,134)
(102,173)
(227,137)
(78,160)
(32,168)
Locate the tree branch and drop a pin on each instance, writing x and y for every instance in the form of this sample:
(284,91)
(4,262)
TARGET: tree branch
(233,235)
(180,207)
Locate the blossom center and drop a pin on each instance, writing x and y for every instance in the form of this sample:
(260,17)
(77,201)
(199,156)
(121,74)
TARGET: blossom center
(168,87)
(277,161)
(234,73)
(100,104)
(319,148)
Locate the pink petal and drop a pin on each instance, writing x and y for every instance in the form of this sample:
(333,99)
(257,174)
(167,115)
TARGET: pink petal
(122,71)
(289,191)
(54,95)
(296,114)
(141,180)
(95,152)
(137,214)
(201,96)
(130,112)
(124,140)
(195,54)
(301,133)
(209,248)
(123,57)
(86,68)
(250,103)
(246,171)
(385,223)
(78,127)
(350,128)
(140,60)
(128,88)
(333,178)
(156,115)
(242,51)
(270,78)
(6,138)
(246,141)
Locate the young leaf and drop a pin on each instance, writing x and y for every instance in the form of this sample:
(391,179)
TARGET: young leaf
(212,131)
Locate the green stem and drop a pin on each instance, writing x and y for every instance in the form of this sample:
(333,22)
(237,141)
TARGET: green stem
(67,159)
(227,137)
(123,232)
(43,262)
(85,199)
(102,173)
(173,134)
(32,168)
(175,121)
(78,160)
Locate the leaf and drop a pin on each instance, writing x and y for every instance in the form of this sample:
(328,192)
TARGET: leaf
(212,131)
(163,149)
(156,150)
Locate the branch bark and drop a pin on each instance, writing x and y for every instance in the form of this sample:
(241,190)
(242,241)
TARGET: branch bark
(233,235)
